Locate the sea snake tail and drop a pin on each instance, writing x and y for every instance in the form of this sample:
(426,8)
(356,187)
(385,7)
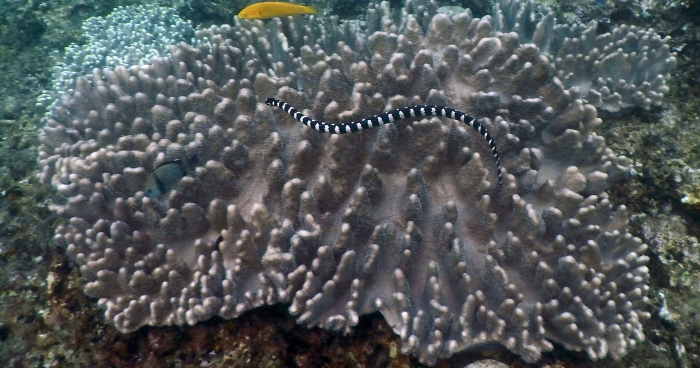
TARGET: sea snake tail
(390,117)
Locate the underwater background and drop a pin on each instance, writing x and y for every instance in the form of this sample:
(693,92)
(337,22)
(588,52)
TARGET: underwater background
(46,320)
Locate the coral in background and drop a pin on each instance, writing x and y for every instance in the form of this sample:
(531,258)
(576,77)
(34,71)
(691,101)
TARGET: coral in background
(130,35)
(612,71)
(404,219)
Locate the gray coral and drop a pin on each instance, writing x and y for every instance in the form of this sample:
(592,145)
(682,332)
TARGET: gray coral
(130,35)
(405,219)
(613,71)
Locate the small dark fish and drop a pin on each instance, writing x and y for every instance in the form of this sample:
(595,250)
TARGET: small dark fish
(164,178)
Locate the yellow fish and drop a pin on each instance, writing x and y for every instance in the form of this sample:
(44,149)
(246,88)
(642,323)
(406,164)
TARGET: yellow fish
(272,9)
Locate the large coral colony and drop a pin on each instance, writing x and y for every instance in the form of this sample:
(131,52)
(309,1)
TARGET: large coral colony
(405,219)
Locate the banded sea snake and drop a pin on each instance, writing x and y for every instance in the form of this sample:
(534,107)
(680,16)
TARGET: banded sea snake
(390,117)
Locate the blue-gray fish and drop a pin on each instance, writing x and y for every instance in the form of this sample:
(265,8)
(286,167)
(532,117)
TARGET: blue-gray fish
(164,178)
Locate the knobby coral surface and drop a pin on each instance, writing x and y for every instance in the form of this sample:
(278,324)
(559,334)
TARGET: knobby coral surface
(129,35)
(613,71)
(404,219)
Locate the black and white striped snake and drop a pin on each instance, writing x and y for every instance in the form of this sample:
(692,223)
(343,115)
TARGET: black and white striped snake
(390,117)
